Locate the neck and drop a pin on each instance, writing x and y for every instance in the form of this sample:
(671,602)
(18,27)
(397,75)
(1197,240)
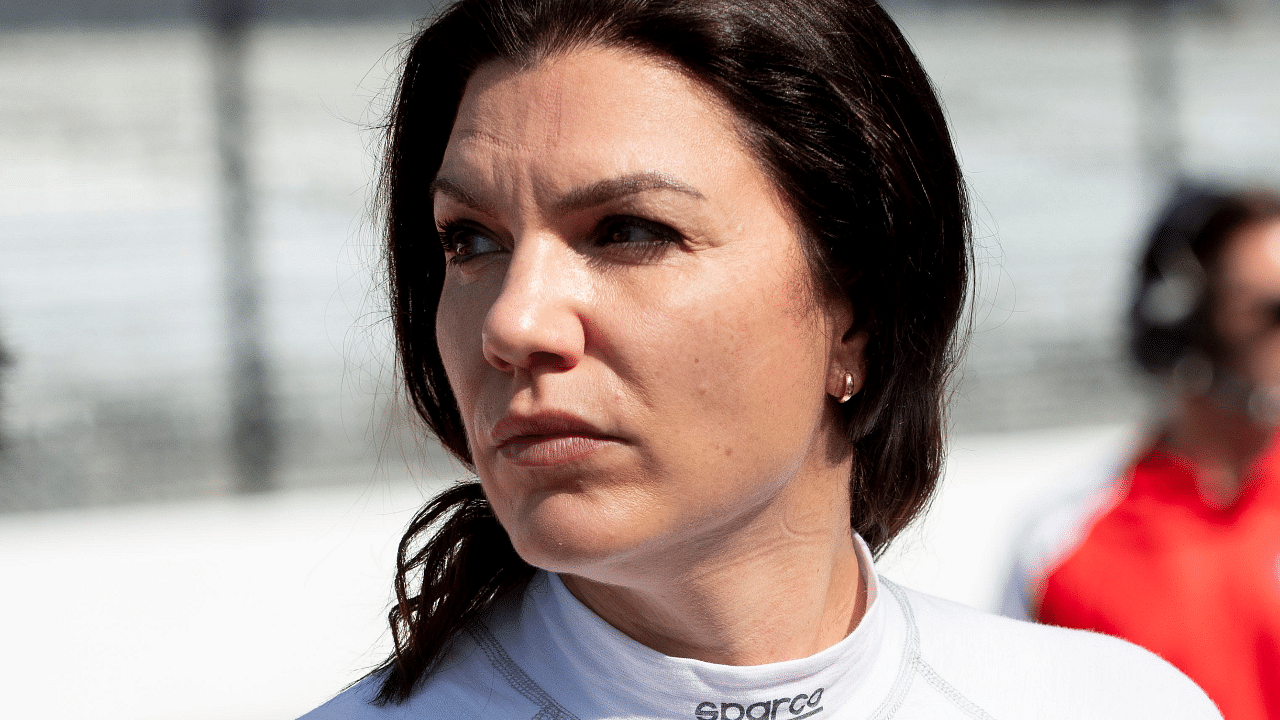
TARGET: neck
(1222,444)
(783,587)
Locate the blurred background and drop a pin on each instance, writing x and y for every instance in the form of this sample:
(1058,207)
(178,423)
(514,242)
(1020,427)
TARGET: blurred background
(204,460)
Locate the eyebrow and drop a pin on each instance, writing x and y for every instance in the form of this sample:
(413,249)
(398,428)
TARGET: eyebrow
(597,193)
(445,186)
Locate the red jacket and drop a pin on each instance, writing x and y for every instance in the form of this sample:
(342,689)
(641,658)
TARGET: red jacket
(1198,585)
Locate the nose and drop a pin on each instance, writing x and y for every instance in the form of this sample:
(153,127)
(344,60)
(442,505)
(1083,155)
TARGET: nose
(535,323)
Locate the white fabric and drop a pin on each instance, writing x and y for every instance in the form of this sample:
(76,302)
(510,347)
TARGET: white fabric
(542,655)
(1054,529)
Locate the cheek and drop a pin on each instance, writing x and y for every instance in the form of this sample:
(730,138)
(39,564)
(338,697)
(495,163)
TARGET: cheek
(458,321)
(741,361)
(1266,359)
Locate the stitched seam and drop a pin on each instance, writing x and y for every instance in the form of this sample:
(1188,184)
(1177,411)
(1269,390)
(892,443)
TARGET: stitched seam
(515,677)
(910,656)
(932,677)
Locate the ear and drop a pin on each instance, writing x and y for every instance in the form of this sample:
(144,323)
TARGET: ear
(848,368)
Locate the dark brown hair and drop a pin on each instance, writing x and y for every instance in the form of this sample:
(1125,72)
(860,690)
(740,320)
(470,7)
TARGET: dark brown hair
(836,107)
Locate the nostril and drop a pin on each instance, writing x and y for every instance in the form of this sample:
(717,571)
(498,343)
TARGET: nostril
(496,357)
(500,364)
(548,359)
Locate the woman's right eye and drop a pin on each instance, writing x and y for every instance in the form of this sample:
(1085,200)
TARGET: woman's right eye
(463,242)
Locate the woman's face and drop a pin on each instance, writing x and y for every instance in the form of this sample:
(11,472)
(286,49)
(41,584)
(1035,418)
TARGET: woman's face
(627,320)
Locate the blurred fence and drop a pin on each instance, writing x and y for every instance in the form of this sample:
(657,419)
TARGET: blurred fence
(111,299)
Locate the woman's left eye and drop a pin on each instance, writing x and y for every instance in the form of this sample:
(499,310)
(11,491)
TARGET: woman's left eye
(631,231)
(463,242)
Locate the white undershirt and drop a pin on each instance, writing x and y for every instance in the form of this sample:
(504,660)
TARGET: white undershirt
(542,654)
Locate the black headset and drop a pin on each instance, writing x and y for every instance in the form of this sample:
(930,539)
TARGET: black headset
(1169,318)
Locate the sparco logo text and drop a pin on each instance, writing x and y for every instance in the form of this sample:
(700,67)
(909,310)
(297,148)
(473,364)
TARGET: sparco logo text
(787,708)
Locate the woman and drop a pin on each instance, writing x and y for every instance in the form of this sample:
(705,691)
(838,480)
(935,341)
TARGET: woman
(703,265)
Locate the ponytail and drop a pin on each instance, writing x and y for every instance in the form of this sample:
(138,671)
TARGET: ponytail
(444,582)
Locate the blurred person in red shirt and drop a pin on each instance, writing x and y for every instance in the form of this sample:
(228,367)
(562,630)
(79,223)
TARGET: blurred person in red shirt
(1179,550)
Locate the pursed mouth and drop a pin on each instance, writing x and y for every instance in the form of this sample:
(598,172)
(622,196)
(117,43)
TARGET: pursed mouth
(550,450)
(547,439)
(526,428)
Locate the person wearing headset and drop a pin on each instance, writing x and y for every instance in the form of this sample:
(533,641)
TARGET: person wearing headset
(1179,551)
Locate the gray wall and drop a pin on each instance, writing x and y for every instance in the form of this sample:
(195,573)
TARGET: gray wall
(25,13)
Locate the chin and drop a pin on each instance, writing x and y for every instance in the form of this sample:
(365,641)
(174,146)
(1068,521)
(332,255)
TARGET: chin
(557,534)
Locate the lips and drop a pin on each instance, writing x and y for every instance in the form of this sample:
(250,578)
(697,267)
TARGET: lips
(547,439)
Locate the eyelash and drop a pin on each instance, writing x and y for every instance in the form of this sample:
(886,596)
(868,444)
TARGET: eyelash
(451,246)
(664,237)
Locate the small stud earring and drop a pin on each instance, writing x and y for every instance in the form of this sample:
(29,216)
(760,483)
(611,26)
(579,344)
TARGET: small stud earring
(848,388)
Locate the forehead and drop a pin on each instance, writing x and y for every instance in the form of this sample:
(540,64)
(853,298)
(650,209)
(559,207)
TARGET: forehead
(589,112)
(1251,258)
